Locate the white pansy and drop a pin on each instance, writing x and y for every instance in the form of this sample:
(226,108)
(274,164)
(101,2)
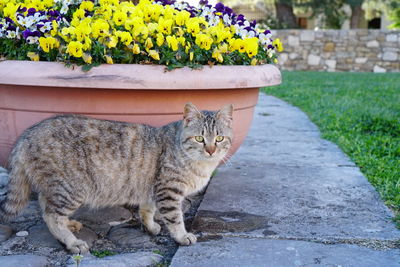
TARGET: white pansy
(180,5)
(64,9)
(207,11)
(11,34)
(265,39)
(271,52)
(227,19)
(46,27)
(32,40)
(213,20)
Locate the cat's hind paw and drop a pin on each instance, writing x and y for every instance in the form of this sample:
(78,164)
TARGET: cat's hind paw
(187,239)
(78,247)
(74,226)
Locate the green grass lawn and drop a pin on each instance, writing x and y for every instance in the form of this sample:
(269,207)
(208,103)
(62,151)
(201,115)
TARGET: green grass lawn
(358,111)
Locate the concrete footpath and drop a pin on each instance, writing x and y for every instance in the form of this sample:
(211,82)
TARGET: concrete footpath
(290,198)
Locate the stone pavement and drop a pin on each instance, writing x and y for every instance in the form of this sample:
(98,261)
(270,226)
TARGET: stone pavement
(290,198)
(286,198)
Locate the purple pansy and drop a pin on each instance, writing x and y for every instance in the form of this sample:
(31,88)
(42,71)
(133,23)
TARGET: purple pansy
(31,11)
(28,33)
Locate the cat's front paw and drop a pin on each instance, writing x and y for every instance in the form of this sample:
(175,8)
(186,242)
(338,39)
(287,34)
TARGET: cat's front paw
(78,247)
(154,229)
(187,239)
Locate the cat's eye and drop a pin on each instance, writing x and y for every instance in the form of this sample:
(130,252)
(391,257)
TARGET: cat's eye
(219,138)
(199,139)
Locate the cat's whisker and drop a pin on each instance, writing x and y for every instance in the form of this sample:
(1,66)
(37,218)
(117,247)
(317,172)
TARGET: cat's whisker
(226,160)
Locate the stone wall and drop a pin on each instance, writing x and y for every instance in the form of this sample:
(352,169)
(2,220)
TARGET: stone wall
(340,50)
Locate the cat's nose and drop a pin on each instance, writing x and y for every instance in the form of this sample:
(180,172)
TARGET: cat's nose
(210,149)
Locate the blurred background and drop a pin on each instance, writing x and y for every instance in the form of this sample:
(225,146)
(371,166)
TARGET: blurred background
(320,14)
(330,35)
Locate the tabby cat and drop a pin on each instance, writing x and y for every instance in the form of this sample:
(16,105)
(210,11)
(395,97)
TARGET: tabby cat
(73,161)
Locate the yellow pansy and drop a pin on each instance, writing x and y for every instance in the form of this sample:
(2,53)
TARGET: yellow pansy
(154,54)
(172,43)
(87,44)
(223,48)
(193,26)
(182,40)
(54,26)
(100,28)
(239,45)
(136,49)
(278,44)
(179,31)
(182,17)
(204,41)
(152,27)
(74,48)
(111,41)
(254,62)
(165,26)
(79,14)
(169,12)
(134,24)
(148,44)
(33,56)
(9,10)
(120,18)
(87,58)
(126,38)
(109,59)
(67,33)
(217,55)
(87,5)
(160,39)
(47,43)
(251,45)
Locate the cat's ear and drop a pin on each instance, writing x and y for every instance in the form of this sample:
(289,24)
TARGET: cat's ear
(225,115)
(190,113)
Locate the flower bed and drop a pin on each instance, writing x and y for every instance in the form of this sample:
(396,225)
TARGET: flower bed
(108,31)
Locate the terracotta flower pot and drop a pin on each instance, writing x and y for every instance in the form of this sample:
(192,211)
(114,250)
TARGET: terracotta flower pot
(33,91)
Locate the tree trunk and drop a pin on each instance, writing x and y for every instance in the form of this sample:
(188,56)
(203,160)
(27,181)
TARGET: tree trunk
(356,13)
(285,15)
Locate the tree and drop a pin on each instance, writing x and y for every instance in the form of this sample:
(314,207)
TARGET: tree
(395,18)
(356,12)
(332,13)
(285,14)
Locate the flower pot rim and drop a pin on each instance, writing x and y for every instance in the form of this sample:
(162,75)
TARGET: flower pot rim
(137,77)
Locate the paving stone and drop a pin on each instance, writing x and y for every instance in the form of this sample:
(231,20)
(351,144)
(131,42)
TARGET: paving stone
(304,186)
(87,235)
(22,233)
(229,252)
(128,236)
(24,260)
(285,182)
(40,236)
(101,220)
(137,259)
(5,232)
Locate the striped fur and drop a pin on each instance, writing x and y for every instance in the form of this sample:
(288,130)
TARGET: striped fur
(74,160)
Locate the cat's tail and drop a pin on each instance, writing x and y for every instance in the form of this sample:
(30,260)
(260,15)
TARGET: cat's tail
(18,192)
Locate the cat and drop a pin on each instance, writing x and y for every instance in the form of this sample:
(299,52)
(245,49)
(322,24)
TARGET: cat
(72,160)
